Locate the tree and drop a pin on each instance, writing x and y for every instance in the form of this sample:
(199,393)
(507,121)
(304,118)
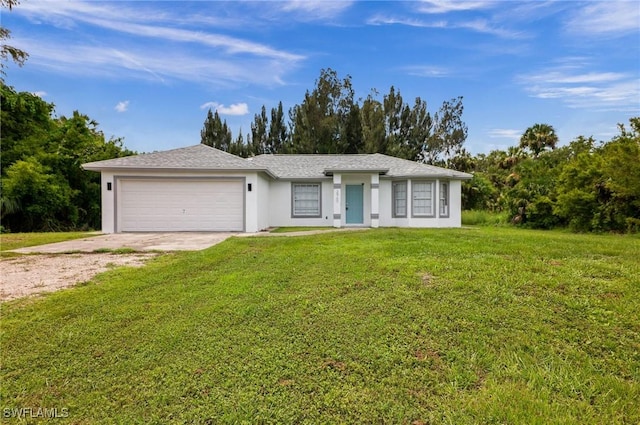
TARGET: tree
(43,197)
(17,55)
(577,200)
(26,122)
(352,136)
(373,125)
(330,120)
(539,137)
(259,135)
(478,193)
(318,124)
(278,133)
(599,189)
(238,147)
(43,184)
(421,128)
(215,132)
(393,105)
(448,135)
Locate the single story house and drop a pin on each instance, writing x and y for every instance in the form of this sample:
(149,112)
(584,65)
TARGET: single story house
(199,188)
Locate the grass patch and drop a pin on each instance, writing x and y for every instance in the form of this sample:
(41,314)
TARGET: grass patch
(123,250)
(484,325)
(299,229)
(484,218)
(9,241)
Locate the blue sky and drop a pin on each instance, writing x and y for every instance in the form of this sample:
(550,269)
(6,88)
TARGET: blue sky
(148,71)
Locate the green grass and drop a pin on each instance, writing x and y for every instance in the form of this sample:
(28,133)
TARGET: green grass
(299,229)
(123,250)
(484,218)
(455,326)
(9,241)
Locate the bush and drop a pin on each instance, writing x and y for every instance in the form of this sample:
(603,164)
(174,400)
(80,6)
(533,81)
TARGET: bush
(539,214)
(478,193)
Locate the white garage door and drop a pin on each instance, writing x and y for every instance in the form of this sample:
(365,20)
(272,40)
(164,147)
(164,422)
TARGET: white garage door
(180,205)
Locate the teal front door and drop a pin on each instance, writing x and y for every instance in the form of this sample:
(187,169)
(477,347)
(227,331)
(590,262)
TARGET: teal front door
(354,204)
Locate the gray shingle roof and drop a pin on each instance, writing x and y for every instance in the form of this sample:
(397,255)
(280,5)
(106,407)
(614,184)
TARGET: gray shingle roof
(318,166)
(202,157)
(198,157)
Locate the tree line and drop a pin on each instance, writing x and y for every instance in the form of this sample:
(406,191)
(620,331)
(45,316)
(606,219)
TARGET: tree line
(330,120)
(588,186)
(43,187)
(585,185)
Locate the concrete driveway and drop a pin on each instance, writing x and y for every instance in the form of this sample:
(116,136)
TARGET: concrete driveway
(183,241)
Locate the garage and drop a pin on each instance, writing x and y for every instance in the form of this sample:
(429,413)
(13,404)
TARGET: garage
(179,204)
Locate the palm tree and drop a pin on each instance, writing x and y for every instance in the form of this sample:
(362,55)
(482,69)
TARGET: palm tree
(539,137)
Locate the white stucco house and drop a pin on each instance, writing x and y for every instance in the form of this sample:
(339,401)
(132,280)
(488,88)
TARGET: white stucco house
(199,188)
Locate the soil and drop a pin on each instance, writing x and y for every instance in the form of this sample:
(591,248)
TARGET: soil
(34,274)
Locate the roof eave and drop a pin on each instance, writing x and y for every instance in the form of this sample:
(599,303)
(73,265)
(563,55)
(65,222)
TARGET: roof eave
(90,167)
(331,171)
(430,176)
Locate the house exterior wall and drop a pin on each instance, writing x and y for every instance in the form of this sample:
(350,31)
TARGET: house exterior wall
(264,191)
(279,204)
(110,197)
(454,218)
(365,181)
(108,201)
(252,207)
(269,203)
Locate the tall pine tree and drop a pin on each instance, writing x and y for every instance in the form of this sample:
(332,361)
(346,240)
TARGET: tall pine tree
(215,132)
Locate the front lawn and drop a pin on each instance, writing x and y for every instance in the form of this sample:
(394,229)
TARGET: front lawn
(299,229)
(488,325)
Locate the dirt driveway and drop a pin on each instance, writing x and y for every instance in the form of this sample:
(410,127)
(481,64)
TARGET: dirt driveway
(64,264)
(35,274)
(179,241)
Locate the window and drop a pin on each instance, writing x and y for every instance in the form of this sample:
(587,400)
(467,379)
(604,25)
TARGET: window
(399,190)
(305,200)
(423,199)
(444,199)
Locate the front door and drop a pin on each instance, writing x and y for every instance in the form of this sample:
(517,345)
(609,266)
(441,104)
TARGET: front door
(354,204)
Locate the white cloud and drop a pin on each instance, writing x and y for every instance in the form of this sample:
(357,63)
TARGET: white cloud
(410,22)
(130,23)
(590,77)
(122,106)
(230,45)
(233,109)
(479,25)
(446,6)
(492,25)
(485,27)
(427,71)
(65,14)
(505,133)
(40,94)
(152,64)
(315,9)
(201,55)
(612,18)
(577,87)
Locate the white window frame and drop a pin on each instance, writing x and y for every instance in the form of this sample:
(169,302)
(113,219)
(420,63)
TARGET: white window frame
(314,194)
(443,200)
(417,198)
(396,200)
